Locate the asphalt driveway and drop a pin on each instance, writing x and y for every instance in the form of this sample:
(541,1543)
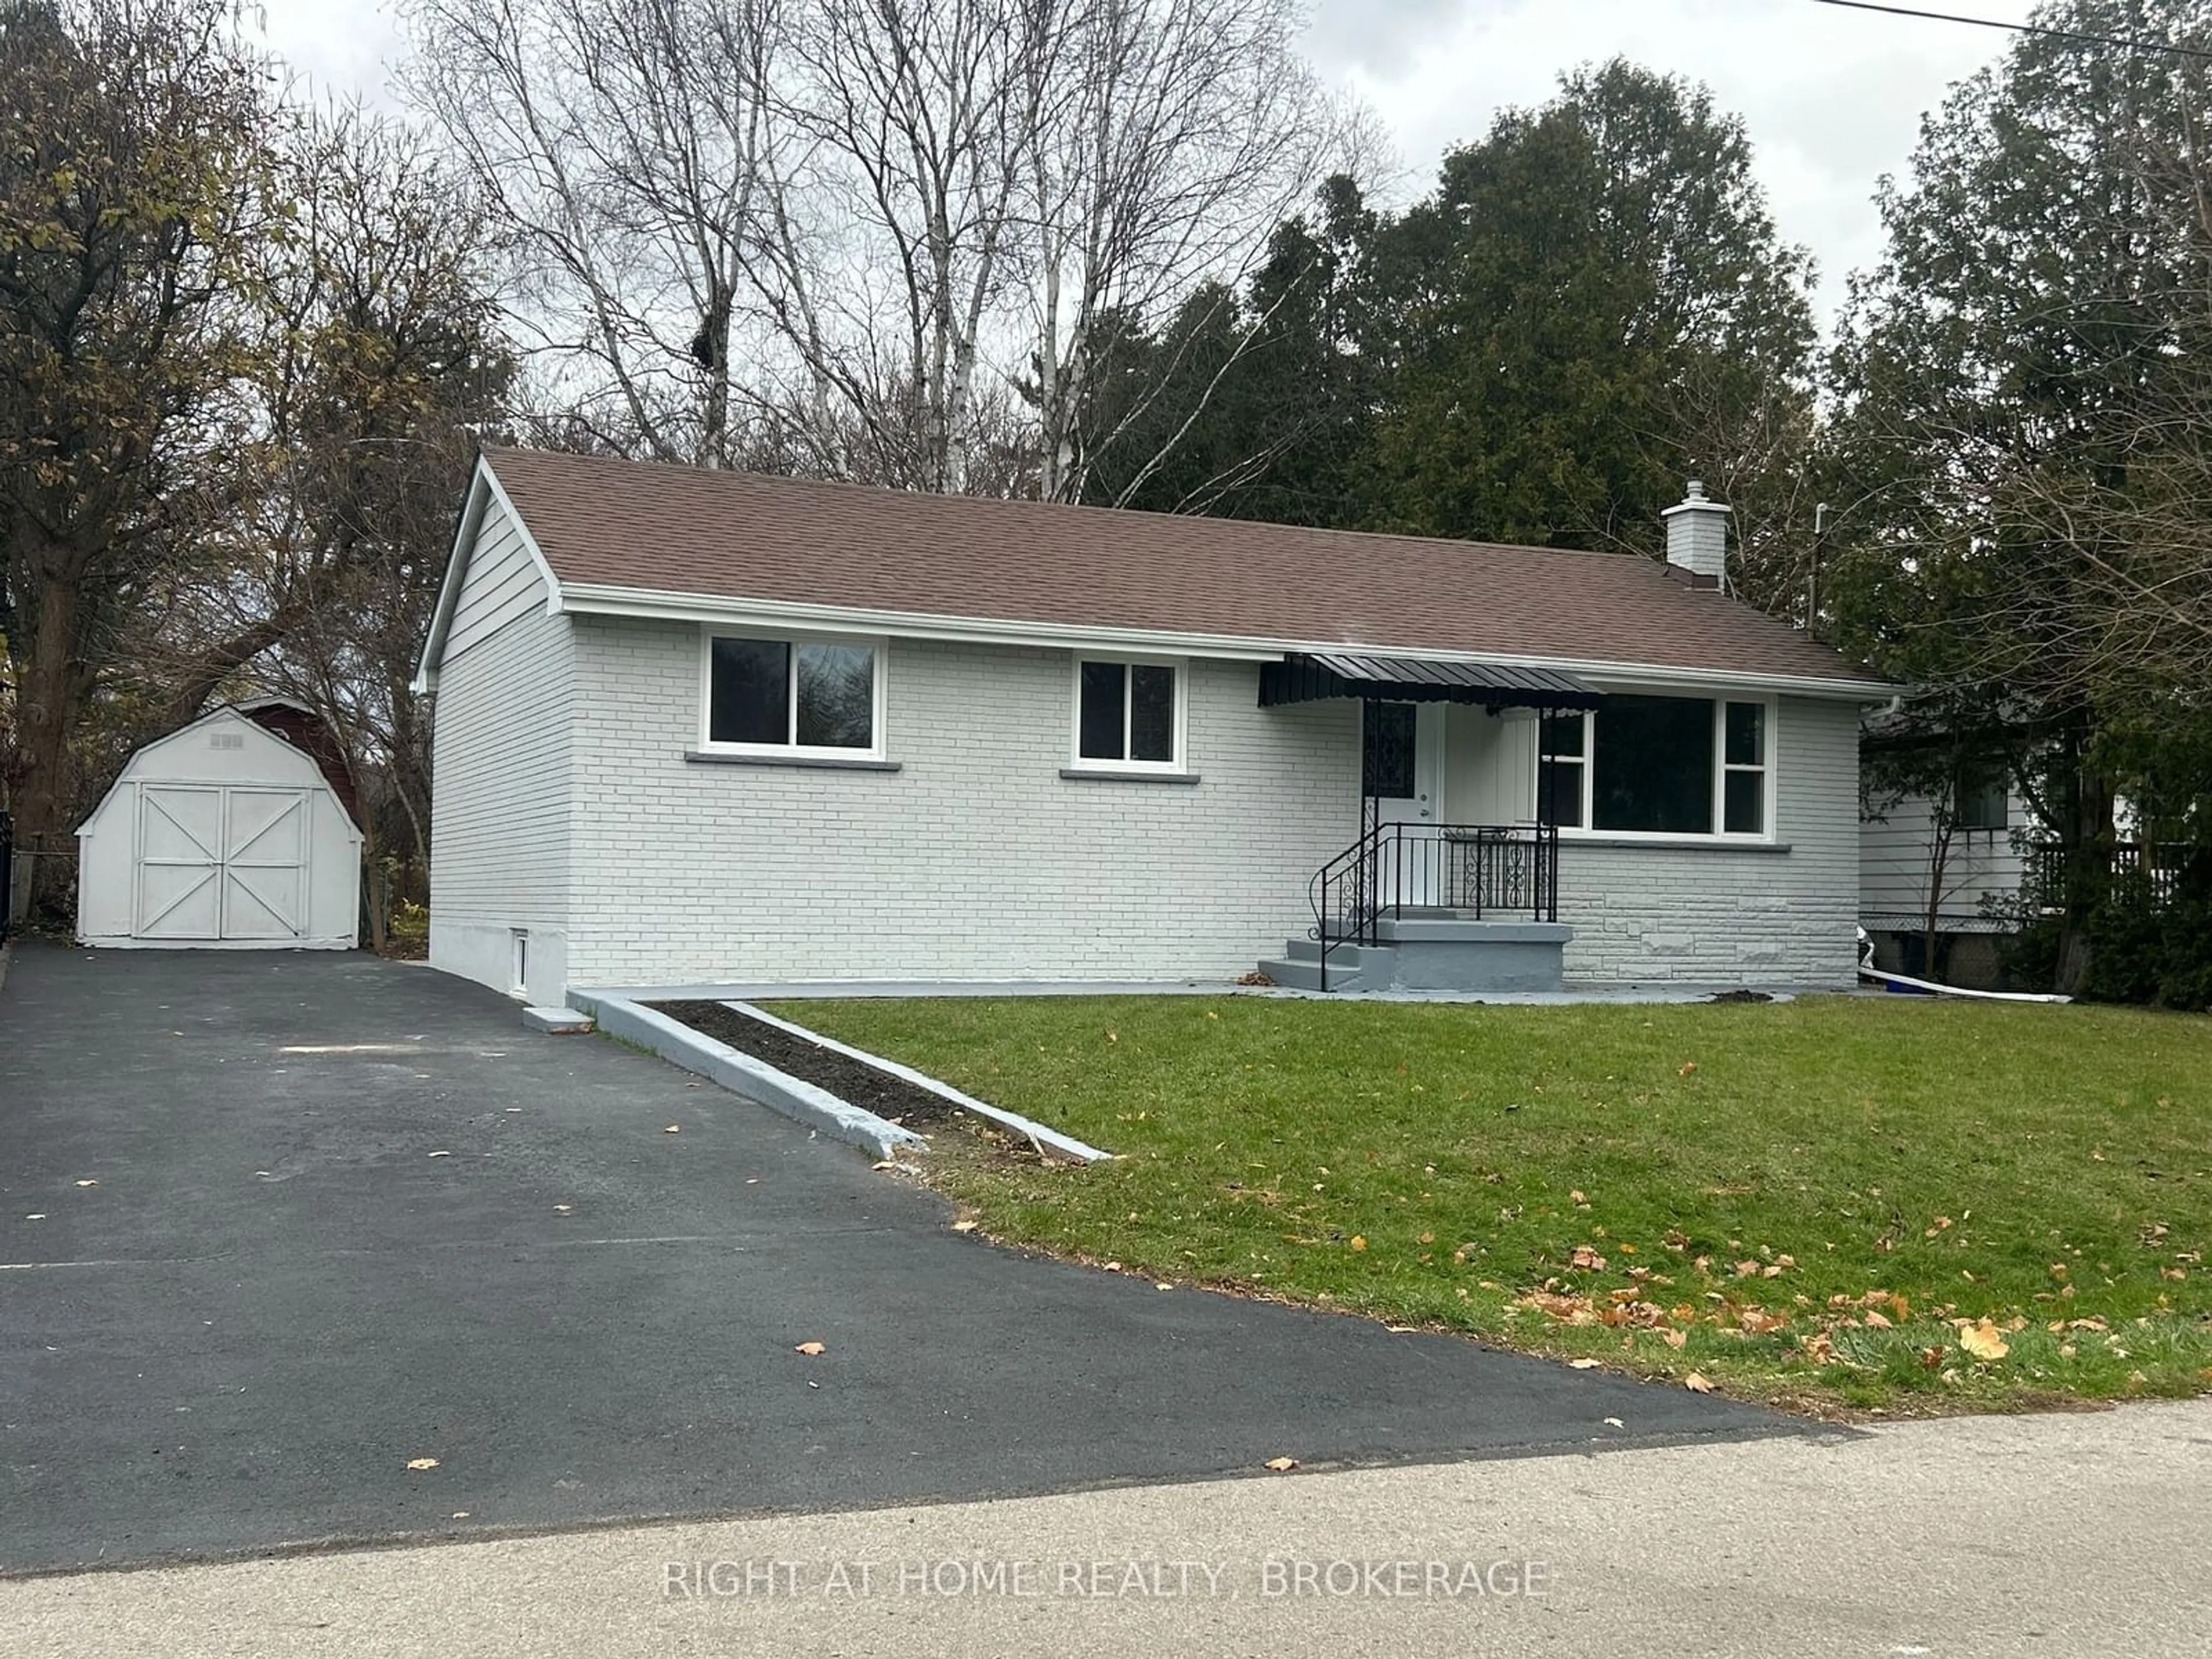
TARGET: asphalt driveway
(272,1226)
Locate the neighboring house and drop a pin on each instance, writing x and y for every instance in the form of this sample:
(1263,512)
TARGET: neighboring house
(703,725)
(1951,868)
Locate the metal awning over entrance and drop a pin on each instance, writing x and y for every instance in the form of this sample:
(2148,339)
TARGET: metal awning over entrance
(1300,677)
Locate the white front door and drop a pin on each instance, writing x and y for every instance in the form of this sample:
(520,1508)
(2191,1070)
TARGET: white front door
(1402,756)
(218,863)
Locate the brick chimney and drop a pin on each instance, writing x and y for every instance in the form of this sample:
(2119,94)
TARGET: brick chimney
(1697,536)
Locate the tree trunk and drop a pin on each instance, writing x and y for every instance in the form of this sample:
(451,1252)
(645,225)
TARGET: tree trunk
(1939,860)
(51,687)
(2087,848)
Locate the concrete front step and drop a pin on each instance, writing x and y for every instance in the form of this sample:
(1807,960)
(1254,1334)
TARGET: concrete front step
(1306,976)
(1342,953)
(1431,951)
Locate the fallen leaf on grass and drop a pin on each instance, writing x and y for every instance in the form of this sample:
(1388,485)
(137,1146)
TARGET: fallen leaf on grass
(1697,1383)
(810,1349)
(1281,1465)
(1587,1257)
(422,1463)
(1688,1066)
(1982,1340)
(1359,1242)
(1674,1338)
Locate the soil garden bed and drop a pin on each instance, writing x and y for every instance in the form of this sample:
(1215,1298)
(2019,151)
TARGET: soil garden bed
(850,1079)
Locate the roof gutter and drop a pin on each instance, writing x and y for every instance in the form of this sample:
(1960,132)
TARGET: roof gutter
(596,599)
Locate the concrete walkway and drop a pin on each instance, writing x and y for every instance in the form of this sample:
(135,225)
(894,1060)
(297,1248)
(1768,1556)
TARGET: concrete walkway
(2076,1537)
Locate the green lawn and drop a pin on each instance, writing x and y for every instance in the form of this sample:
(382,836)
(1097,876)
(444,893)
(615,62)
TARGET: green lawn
(1816,1203)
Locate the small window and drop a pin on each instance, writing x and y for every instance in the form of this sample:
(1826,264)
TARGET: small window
(798,695)
(1743,768)
(1985,806)
(1563,742)
(1128,713)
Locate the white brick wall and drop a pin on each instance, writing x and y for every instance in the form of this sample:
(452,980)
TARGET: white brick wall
(1724,916)
(976,860)
(565,806)
(500,824)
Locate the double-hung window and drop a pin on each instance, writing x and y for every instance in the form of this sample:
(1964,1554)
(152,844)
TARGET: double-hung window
(794,696)
(1128,715)
(1984,803)
(1643,765)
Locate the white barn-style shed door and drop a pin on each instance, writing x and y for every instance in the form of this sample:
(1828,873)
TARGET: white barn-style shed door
(221,863)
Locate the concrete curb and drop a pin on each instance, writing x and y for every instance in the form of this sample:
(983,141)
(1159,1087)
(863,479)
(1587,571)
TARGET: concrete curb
(741,1074)
(1066,1146)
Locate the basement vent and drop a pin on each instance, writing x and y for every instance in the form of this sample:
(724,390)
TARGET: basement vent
(227,740)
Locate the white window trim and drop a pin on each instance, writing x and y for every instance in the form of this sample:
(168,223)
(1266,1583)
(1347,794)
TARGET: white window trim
(1176,762)
(876,643)
(1770,726)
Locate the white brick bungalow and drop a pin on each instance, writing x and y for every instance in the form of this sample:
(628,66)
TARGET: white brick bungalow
(698,726)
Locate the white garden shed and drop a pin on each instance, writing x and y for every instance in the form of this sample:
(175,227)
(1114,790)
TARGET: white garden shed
(221,836)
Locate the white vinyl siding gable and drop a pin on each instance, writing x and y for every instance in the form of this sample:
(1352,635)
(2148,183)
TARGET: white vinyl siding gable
(501,584)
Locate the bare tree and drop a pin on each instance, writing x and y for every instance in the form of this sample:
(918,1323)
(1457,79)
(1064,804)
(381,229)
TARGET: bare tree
(1185,132)
(629,150)
(887,229)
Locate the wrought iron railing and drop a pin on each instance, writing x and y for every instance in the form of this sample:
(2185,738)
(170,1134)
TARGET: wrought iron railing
(1475,870)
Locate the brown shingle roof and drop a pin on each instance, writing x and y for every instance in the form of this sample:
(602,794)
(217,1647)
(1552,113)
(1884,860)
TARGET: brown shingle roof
(734,535)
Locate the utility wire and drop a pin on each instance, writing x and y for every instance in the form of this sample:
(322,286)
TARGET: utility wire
(2027,28)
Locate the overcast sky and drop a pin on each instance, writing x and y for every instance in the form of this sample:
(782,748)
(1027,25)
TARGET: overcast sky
(1833,97)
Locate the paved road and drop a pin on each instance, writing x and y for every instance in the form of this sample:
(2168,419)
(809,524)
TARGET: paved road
(2076,1537)
(307,1218)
